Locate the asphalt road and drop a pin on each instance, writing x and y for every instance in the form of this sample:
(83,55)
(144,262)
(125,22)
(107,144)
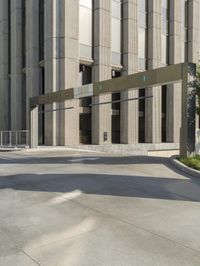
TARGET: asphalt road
(76,208)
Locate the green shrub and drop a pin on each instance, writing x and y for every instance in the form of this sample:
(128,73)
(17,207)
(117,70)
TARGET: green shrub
(193,162)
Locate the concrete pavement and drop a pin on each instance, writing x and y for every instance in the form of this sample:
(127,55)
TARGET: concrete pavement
(78,208)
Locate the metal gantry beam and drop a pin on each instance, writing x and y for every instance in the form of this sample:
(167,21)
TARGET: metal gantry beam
(55,110)
(184,72)
(155,77)
(125,100)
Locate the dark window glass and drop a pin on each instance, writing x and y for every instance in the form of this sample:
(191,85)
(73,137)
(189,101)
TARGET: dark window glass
(85,73)
(164,111)
(41,30)
(23,33)
(9,36)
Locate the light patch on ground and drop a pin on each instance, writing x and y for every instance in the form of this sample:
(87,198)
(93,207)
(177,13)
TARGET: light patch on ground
(64,197)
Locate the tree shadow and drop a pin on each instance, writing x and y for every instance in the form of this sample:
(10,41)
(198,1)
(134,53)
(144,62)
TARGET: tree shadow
(94,159)
(104,184)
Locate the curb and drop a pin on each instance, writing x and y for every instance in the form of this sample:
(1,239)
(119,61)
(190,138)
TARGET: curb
(184,168)
(9,149)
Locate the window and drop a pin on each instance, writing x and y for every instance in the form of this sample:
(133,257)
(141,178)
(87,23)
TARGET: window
(86,28)
(85,75)
(41,30)
(9,36)
(141,127)
(9,64)
(116,32)
(23,33)
(164,112)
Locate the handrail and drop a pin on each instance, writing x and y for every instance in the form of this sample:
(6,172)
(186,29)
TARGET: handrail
(14,138)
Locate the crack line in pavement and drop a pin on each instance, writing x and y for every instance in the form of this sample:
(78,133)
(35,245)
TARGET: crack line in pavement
(65,239)
(137,226)
(26,254)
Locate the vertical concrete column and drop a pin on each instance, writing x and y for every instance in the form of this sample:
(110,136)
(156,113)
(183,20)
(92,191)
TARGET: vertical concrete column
(153,105)
(32,53)
(4,82)
(16,64)
(193,31)
(69,69)
(174,90)
(34,127)
(52,80)
(101,114)
(129,109)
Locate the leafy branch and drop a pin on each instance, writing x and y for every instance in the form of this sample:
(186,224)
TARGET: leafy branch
(196,84)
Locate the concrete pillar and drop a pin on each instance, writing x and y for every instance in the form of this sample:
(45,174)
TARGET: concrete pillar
(52,65)
(16,65)
(69,69)
(101,114)
(174,90)
(193,31)
(129,109)
(34,127)
(4,81)
(153,105)
(32,53)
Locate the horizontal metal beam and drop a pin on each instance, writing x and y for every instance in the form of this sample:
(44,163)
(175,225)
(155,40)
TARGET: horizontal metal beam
(160,76)
(125,100)
(55,110)
(53,97)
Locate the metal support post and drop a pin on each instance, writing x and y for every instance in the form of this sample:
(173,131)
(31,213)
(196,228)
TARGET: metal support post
(16,135)
(1,138)
(10,141)
(34,127)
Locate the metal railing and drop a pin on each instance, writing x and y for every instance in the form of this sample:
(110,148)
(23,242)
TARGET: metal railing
(16,138)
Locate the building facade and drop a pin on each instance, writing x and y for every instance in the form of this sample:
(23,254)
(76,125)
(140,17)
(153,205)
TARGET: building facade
(51,45)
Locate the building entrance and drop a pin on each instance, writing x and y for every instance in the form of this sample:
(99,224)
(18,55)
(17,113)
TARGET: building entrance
(116,118)
(85,117)
(85,121)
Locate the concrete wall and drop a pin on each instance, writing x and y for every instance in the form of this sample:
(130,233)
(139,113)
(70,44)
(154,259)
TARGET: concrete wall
(129,109)
(51,62)
(4,80)
(193,31)
(69,69)
(174,90)
(32,53)
(153,105)
(16,65)
(101,114)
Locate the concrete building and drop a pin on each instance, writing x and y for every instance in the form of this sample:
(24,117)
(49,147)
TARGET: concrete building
(51,45)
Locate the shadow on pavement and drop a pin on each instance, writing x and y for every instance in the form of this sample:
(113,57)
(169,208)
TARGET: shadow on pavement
(95,159)
(104,184)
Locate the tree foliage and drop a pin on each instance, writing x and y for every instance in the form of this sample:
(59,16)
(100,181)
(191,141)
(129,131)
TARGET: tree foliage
(196,84)
(198,90)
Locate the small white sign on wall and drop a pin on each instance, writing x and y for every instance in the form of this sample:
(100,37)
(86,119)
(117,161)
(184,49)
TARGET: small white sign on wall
(83,91)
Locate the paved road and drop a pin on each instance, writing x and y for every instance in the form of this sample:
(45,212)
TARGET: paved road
(76,208)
